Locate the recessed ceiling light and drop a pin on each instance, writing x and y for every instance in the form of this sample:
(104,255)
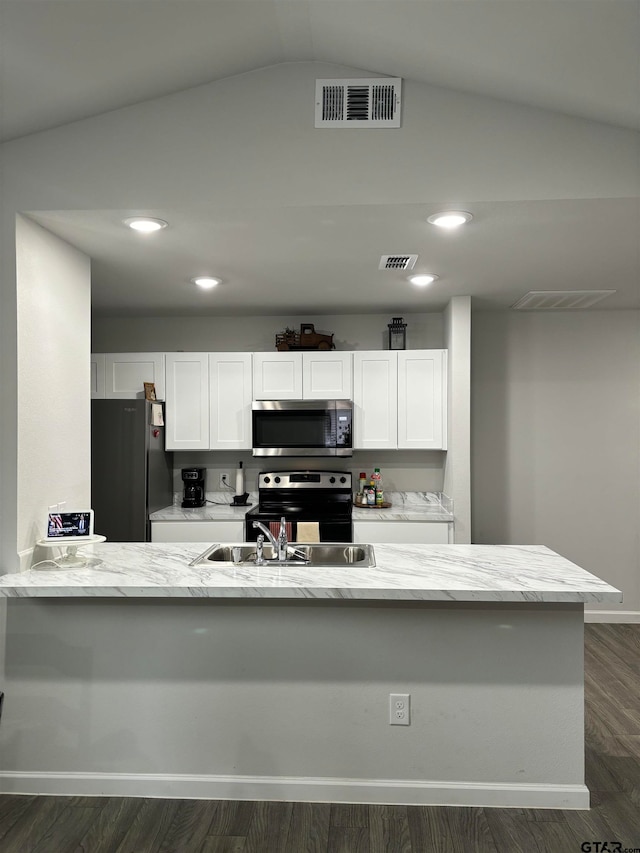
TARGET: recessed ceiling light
(145,224)
(450,218)
(422,280)
(206,282)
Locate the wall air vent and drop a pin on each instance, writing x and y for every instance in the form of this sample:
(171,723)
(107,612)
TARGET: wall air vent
(358,102)
(560,300)
(397,262)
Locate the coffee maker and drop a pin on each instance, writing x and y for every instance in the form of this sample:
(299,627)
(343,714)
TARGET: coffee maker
(193,481)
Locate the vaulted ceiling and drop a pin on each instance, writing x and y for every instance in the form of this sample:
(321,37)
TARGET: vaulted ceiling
(63,60)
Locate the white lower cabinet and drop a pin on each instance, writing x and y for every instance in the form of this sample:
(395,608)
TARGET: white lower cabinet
(197,531)
(403,532)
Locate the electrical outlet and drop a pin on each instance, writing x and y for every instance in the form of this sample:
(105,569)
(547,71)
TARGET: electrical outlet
(399,709)
(224,480)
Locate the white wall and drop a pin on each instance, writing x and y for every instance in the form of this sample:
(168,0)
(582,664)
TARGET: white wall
(457,463)
(54,309)
(556,437)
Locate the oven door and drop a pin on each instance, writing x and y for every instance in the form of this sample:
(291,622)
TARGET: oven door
(300,428)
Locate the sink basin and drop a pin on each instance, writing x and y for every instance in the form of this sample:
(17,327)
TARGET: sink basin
(321,554)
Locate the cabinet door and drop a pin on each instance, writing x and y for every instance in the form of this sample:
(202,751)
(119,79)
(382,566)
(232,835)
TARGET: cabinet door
(402,532)
(126,373)
(277,376)
(375,400)
(422,406)
(327,375)
(187,401)
(197,531)
(230,400)
(97,375)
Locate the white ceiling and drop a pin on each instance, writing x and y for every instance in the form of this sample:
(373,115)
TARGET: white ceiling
(62,60)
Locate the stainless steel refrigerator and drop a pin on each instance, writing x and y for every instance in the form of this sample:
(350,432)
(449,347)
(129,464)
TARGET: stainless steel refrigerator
(131,472)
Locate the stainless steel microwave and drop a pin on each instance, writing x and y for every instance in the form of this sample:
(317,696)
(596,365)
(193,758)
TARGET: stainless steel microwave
(302,427)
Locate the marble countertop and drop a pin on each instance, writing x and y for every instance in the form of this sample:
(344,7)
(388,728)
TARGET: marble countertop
(406,506)
(409,506)
(220,509)
(448,573)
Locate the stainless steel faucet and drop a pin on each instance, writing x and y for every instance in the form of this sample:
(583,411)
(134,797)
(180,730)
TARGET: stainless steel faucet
(280,545)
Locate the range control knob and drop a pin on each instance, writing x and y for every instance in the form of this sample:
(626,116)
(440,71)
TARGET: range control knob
(267,479)
(332,479)
(277,479)
(343,479)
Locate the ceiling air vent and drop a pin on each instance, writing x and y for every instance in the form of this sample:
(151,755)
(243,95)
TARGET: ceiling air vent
(361,102)
(559,300)
(397,262)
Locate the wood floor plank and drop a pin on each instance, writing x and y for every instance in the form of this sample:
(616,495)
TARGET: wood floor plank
(511,831)
(350,814)
(450,829)
(12,807)
(189,827)
(232,818)
(148,827)
(621,814)
(269,827)
(389,829)
(33,823)
(223,844)
(308,828)
(349,839)
(110,826)
(552,836)
(72,825)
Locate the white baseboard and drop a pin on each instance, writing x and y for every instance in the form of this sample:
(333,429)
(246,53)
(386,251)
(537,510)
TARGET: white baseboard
(612,616)
(298,789)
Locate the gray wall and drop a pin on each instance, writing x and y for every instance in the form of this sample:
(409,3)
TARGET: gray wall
(255,333)
(556,437)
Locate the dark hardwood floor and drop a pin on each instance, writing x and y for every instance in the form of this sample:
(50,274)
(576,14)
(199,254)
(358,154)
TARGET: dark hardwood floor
(123,825)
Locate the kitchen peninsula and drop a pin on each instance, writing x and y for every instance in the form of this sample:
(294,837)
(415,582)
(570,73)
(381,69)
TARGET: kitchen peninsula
(142,675)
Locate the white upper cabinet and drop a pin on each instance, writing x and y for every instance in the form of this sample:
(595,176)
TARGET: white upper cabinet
(327,375)
(400,400)
(277,376)
(422,410)
(187,396)
(375,400)
(230,384)
(97,375)
(126,373)
(302,375)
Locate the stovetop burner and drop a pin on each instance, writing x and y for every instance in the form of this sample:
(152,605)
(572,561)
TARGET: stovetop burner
(304,494)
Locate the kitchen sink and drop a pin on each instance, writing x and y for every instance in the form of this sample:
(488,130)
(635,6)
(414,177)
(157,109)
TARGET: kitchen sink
(320,555)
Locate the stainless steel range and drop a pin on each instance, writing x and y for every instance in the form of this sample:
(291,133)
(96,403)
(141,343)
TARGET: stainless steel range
(324,497)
